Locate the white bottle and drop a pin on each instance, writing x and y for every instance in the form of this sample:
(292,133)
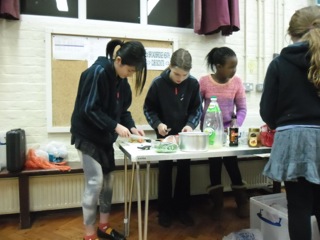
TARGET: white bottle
(213,124)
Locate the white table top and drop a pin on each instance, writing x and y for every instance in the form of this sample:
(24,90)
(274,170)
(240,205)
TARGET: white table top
(135,154)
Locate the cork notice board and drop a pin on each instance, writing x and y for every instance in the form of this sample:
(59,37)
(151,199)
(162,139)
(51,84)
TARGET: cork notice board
(65,76)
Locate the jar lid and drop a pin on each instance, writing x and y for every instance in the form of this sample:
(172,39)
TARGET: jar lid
(254,129)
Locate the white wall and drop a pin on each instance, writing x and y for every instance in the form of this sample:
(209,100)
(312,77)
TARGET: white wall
(23,57)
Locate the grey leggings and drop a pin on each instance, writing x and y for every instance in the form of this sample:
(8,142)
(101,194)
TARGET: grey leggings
(98,186)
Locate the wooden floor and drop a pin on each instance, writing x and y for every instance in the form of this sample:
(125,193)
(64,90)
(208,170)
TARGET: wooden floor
(67,224)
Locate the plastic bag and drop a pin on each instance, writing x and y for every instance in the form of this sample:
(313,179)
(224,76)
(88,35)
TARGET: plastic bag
(245,234)
(266,136)
(3,151)
(37,160)
(57,151)
(165,147)
(171,139)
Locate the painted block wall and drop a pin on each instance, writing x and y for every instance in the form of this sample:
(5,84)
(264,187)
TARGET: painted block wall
(23,57)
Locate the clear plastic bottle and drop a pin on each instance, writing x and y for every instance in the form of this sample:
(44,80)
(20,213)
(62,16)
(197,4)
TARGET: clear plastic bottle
(213,124)
(233,132)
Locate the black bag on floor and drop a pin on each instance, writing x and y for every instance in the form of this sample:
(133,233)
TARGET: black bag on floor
(16,150)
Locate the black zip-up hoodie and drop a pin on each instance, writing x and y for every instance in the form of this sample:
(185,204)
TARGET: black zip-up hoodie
(175,105)
(288,97)
(102,101)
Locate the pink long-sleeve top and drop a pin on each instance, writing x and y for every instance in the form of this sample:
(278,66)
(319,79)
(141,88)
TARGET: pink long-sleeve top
(231,98)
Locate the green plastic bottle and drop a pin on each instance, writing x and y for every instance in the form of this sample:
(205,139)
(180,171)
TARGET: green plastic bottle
(213,124)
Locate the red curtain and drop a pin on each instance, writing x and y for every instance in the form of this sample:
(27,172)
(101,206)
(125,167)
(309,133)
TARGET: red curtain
(10,9)
(213,16)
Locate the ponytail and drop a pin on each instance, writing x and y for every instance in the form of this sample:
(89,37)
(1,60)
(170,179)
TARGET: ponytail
(111,46)
(219,55)
(312,37)
(132,53)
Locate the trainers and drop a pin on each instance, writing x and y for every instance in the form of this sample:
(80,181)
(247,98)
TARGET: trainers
(110,234)
(164,219)
(185,218)
(93,237)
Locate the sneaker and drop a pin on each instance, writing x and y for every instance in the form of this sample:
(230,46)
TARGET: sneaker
(91,238)
(110,234)
(185,219)
(164,219)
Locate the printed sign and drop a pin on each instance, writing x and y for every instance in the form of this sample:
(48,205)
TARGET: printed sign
(158,58)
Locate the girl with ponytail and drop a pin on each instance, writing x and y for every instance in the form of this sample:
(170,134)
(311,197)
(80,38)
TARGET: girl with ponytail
(101,115)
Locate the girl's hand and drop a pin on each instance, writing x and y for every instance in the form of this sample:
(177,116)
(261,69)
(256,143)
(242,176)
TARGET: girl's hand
(162,129)
(136,131)
(122,131)
(187,129)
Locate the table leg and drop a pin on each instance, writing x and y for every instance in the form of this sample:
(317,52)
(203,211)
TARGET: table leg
(139,201)
(146,201)
(130,196)
(125,220)
(24,202)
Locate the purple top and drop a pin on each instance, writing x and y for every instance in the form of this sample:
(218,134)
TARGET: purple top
(231,98)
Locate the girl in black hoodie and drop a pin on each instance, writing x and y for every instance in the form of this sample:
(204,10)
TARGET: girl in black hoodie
(173,102)
(290,103)
(101,115)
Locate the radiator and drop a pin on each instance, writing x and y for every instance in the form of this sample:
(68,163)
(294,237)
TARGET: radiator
(65,191)
(9,200)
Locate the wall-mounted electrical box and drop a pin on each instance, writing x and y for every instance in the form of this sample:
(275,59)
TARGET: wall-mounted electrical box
(259,87)
(248,87)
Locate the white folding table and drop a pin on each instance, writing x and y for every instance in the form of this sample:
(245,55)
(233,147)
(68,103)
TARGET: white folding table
(138,156)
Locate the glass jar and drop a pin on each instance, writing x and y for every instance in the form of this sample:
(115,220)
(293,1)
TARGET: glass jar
(254,137)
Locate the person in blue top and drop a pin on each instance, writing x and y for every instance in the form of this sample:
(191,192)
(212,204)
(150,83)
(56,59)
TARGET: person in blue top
(100,115)
(173,101)
(290,103)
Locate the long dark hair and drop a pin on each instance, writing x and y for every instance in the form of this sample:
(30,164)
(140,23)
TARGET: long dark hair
(132,53)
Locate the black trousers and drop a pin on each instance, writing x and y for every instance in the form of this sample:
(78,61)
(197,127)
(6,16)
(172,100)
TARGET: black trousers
(181,195)
(232,167)
(303,201)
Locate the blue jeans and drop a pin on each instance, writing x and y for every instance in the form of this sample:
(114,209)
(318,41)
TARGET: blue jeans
(303,201)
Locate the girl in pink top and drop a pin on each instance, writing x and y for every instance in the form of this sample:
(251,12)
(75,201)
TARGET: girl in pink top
(231,97)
